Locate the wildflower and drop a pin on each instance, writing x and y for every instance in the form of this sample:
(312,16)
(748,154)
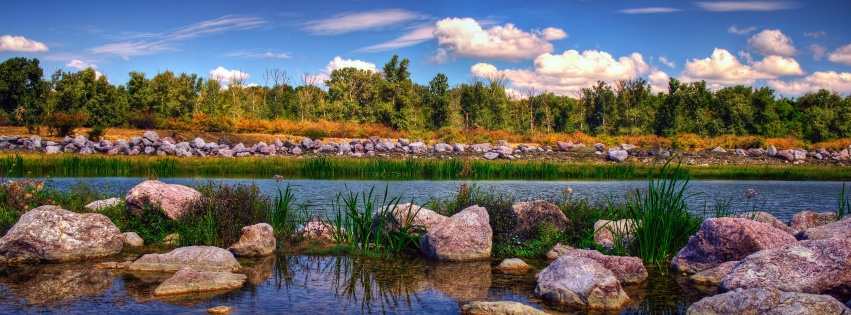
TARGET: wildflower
(278,178)
(750,193)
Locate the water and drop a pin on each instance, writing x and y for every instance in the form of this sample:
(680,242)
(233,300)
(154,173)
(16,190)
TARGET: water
(780,198)
(301,284)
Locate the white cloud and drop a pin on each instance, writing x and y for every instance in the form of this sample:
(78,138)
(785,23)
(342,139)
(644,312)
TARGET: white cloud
(746,56)
(440,56)
(838,82)
(79,64)
(250,54)
(21,44)
(466,38)
(339,63)
(352,22)
(142,44)
(741,31)
(664,60)
(225,76)
(658,81)
(567,73)
(772,42)
(725,69)
(841,55)
(415,36)
(821,34)
(818,51)
(649,10)
(726,6)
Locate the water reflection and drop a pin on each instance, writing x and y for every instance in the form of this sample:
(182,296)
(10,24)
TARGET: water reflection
(53,283)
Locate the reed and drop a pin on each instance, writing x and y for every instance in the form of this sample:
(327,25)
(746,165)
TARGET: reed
(364,221)
(844,205)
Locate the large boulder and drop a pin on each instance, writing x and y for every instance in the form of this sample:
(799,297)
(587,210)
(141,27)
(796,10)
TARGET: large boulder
(465,236)
(408,214)
(711,277)
(171,198)
(767,301)
(839,229)
(188,280)
(817,267)
(529,215)
(53,234)
(605,232)
(626,269)
(499,308)
(580,282)
(256,241)
(807,219)
(201,258)
(726,239)
(767,218)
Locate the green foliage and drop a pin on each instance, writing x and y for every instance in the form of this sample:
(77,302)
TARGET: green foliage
(361,227)
(285,216)
(96,132)
(217,218)
(62,124)
(142,120)
(844,205)
(152,224)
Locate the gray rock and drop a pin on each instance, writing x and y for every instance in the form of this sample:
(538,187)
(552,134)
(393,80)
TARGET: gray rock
(719,149)
(256,241)
(491,155)
(296,151)
(80,141)
(201,258)
(582,283)
(417,147)
(772,151)
(481,147)
(307,143)
(625,269)
(459,147)
(627,146)
(564,146)
(499,308)
(839,229)
(98,205)
(767,301)
(755,152)
(150,150)
(53,149)
(132,239)
(599,147)
(442,147)
(787,155)
(189,280)
(225,153)
(197,143)
(800,154)
(53,234)
(617,155)
(151,136)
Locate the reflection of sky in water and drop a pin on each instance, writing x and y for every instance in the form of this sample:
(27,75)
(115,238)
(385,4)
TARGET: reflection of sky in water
(313,285)
(781,198)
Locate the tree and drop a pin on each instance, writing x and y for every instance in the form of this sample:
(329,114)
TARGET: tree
(438,99)
(22,90)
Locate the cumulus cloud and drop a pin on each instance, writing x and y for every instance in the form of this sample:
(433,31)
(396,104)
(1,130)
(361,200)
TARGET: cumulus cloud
(658,81)
(79,64)
(664,60)
(21,44)
(568,72)
(339,63)
(649,10)
(772,42)
(841,55)
(415,36)
(725,69)
(838,82)
(351,22)
(818,51)
(741,31)
(465,37)
(726,6)
(226,76)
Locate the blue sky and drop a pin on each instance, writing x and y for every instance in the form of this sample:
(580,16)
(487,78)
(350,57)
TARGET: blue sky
(554,46)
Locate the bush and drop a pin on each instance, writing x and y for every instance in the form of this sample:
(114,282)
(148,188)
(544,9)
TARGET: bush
(217,218)
(142,120)
(213,124)
(96,133)
(62,124)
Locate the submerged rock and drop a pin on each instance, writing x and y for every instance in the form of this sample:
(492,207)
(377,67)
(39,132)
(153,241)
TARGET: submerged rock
(188,280)
(499,308)
(767,301)
(513,264)
(713,276)
(727,239)
(465,236)
(201,258)
(580,282)
(53,234)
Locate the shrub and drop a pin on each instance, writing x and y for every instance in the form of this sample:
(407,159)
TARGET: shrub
(62,124)
(217,218)
(213,124)
(96,133)
(142,120)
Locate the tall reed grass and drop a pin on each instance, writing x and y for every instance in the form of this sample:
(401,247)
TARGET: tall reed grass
(362,220)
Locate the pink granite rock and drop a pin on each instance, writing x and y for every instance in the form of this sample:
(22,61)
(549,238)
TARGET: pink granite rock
(171,198)
(201,258)
(626,269)
(256,241)
(582,283)
(188,280)
(465,236)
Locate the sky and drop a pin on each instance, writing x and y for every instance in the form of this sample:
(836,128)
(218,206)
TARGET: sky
(557,46)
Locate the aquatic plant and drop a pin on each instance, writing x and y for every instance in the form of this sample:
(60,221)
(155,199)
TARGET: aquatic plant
(844,205)
(217,218)
(286,216)
(360,226)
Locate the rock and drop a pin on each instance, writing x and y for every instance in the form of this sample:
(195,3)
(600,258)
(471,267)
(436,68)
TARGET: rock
(499,308)
(719,149)
(599,147)
(53,149)
(481,147)
(529,215)
(197,143)
(558,250)
(256,241)
(839,229)
(817,267)
(307,143)
(132,239)
(221,309)
(711,277)
(169,197)
(564,146)
(297,151)
(491,155)
(409,215)
(772,151)
(151,136)
(617,155)
(80,141)
(767,301)
(318,230)
(727,239)
(626,269)
(582,283)
(188,280)
(800,154)
(606,230)
(459,147)
(807,219)
(785,155)
(442,147)
(465,236)
(225,153)
(201,258)
(767,218)
(99,205)
(114,265)
(513,264)
(503,150)
(53,234)
(171,240)
(627,146)
(755,152)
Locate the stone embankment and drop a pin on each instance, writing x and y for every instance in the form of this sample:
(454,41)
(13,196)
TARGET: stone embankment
(150,143)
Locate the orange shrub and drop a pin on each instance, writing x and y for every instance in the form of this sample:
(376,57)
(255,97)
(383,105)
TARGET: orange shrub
(785,143)
(837,144)
(687,141)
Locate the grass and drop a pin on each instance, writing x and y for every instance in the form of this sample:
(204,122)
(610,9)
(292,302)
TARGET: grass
(844,205)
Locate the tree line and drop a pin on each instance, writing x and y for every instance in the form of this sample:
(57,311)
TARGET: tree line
(390,98)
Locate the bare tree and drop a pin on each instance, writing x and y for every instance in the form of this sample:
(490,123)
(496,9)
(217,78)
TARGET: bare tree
(530,93)
(307,93)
